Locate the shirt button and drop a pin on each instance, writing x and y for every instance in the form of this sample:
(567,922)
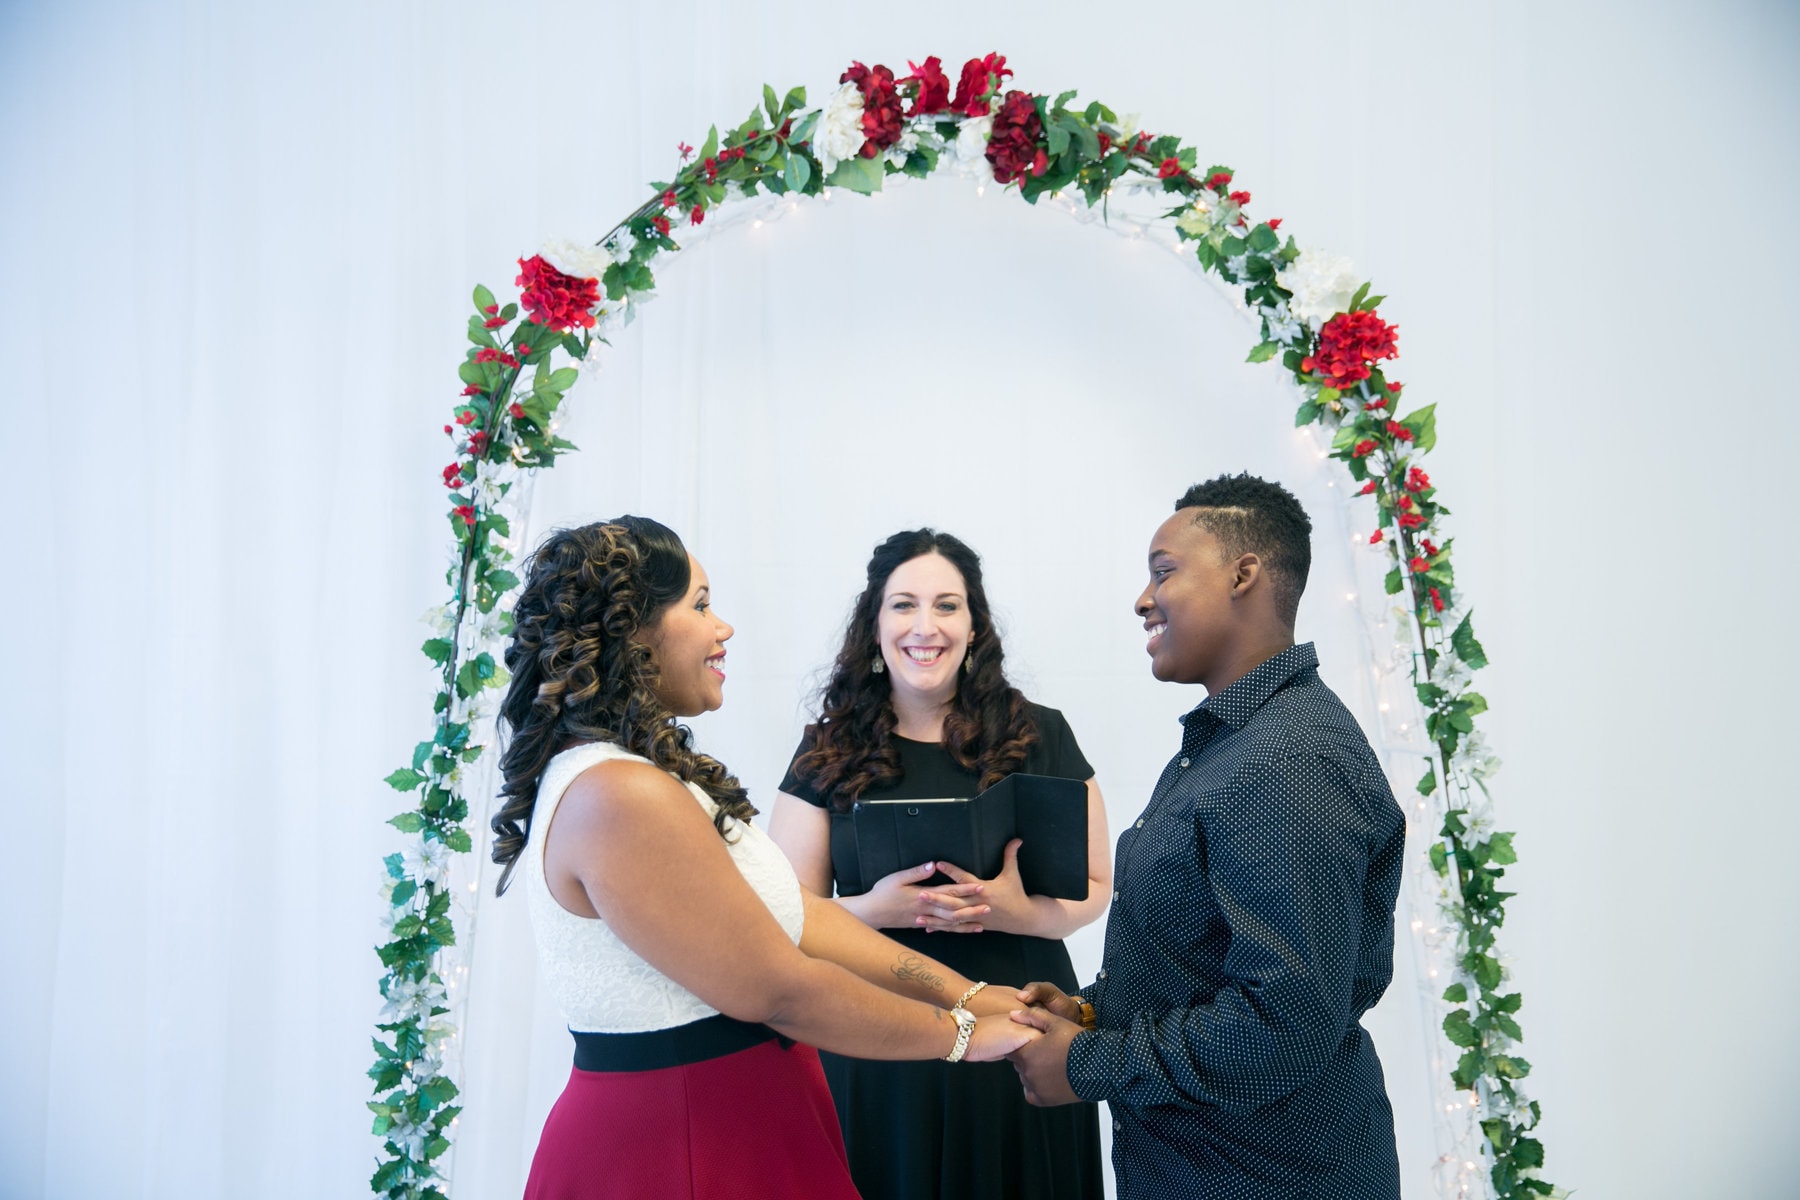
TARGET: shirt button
(1102,973)
(1117,1125)
(1115,893)
(1140,822)
(1184,763)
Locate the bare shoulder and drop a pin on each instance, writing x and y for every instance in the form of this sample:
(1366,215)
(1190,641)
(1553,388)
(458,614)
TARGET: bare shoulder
(616,799)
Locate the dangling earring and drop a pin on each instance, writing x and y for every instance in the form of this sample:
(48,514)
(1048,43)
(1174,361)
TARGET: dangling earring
(878,666)
(969,660)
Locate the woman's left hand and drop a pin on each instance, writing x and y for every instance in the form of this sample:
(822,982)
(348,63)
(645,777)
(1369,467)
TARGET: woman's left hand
(1004,895)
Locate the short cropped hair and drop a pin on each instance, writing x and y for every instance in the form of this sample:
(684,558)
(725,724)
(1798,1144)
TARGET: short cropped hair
(1253,516)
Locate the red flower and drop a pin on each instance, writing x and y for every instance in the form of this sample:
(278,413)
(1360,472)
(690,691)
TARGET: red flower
(466,417)
(1417,565)
(1404,503)
(1375,538)
(1105,143)
(711,167)
(1348,344)
(685,150)
(1274,223)
(668,198)
(1394,386)
(881,119)
(661,223)
(453,472)
(1239,198)
(553,299)
(487,354)
(524,350)
(478,442)
(1429,548)
(1376,405)
(697,216)
(515,411)
(1411,520)
(1417,480)
(494,322)
(1368,489)
(1437,601)
(491,309)
(1142,144)
(1168,168)
(447,429)
(1399,432)
(981,77)
(1014,146)
(466,512)
(933,94)
(1363,448)
(1218,179)
(474,389)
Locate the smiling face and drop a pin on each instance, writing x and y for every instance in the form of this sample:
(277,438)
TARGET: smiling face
(924,627)
(688,641)
(1187,606)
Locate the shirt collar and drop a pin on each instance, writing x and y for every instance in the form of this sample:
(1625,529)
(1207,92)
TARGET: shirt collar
(1236,704)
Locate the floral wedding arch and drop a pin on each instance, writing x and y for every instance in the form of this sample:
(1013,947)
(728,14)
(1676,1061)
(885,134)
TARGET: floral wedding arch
(1314,319)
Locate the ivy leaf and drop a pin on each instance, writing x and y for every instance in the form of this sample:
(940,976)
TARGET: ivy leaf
(1528,1152)
(403,892)
(1392,582)
(1307,414)
(1501,847)
(1486,970)
(1440,859)
(1428,781)
(1457,993)
(1509,1003)
(1468,1070)
(1423,424)
(711,145)
(1466,647)
(395,866)
(771,105)
(407,822)
(1264,352)
(1505,1024)
(1263,239)
(457,838)
(1459,1031)
(1508,1067)
(439,650)
(404,780)
(502,580)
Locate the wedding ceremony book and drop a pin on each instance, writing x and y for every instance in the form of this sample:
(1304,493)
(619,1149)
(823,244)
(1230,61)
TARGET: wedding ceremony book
(1049,814)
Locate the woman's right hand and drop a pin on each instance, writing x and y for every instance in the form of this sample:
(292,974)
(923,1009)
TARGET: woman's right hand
(1048,996)
(899,901)
(997,1036)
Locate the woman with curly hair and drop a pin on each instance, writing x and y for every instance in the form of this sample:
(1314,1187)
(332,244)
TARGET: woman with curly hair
(918,706)
(687,958)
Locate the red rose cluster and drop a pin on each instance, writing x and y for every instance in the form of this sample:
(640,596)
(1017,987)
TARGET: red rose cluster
(930,87)
(1348,344)
(981,78)
(881,106)
(553,299)
(1016,145)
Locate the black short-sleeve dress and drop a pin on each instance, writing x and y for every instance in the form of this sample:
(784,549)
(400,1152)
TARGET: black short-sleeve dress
(962,1131)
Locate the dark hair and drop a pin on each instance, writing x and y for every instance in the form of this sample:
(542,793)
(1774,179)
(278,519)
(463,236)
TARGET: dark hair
(989,728)
(1253,516)
(578,675)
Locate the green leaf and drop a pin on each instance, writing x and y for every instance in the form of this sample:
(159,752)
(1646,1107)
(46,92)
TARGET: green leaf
(1423,423)
(1307,414)
(1486,970)
(711,146)
(1392,583)
(1468,1070)
(771,105)
(1264,352)
(1457,993)
(1428,781)
(395,865)
(858,174)
(1440,860)
(1528,1152)
(1501,848)
(1465,645)
(407,822)
(1263,239)
(502,580)
(1458,1029)
(439,650)
(404,780)
(797,172)
(1356,300)
(562,379)
(1505,1024)
(796,98)
(1508,1067)
(457,838)
(403,891)
(484,299)
(1509,1003)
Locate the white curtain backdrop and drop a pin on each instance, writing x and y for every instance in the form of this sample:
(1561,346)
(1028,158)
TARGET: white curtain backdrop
(236,243)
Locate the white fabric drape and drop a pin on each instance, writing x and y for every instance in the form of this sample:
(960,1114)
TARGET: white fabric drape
(236,244)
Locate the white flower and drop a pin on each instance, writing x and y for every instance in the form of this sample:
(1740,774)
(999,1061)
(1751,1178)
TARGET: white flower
(442,619)
(571,258)
(427,861)
(972,141)
(1321,283)
(901,150)
(839,134)
(620,245)
(1472,755)
(409,1137)
(407,999)
(1282,326)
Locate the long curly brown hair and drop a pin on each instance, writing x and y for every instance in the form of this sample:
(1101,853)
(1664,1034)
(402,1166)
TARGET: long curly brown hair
(989,728)
(579,675)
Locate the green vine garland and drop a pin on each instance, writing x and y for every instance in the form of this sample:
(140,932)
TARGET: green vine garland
(1329,338)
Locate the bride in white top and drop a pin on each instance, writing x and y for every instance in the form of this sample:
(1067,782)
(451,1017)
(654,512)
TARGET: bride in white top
(674,935)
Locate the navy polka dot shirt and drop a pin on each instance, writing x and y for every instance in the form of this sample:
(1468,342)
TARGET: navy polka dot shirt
(1252,927)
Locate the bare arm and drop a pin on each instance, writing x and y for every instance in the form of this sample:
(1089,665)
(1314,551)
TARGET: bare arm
(1013,911)
(833,934)
(624,830)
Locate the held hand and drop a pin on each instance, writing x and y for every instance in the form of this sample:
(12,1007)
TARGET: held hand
(1004,894)
(1043,1064)
(996,1037)
(898,901)
(1051,998)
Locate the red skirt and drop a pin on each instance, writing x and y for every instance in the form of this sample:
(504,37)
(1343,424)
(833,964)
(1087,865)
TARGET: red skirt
(751,1125)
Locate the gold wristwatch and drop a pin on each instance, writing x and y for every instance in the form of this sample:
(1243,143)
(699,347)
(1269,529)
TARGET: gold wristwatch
(1086,1017)
(965,1027)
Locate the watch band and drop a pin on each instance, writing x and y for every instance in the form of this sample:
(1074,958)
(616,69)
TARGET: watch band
(965,1027)
(1088,1018)
(969,995)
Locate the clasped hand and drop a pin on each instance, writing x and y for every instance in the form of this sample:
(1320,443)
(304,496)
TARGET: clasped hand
(969,904)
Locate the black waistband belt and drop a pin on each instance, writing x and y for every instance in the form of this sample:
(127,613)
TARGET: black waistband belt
(697,1041)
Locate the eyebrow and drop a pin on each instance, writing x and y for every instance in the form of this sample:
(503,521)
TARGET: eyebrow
(911,596)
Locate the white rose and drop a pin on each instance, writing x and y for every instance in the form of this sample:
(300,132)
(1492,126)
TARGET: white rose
(972,140)
(839,134)
(572,258)
(1321,283)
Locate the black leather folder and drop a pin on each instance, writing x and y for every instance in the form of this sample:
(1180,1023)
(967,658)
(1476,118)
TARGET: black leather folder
(1049,814)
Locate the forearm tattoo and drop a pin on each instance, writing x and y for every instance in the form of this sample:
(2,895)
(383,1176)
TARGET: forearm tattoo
(911,969)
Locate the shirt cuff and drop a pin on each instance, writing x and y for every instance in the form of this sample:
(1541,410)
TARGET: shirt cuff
(1094,1057)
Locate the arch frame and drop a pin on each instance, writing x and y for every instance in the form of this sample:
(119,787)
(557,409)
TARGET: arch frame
(1315,319)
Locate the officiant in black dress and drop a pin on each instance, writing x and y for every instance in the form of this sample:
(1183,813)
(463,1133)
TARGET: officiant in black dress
(918,707)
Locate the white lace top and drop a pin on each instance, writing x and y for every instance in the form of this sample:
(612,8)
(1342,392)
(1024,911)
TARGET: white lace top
(600,983)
